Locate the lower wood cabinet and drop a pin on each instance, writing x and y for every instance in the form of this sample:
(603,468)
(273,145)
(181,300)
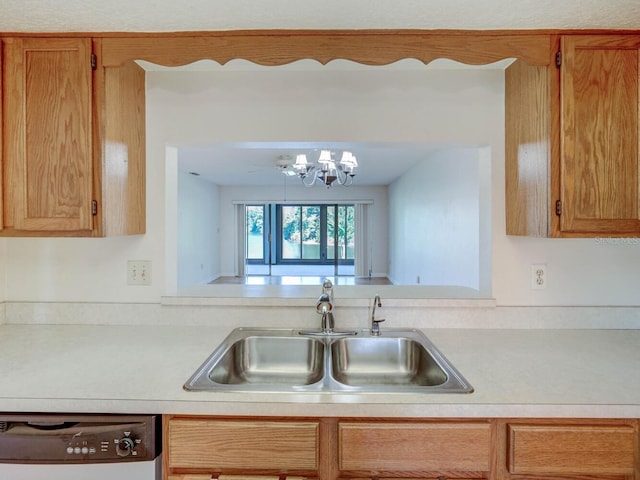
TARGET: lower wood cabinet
(399,447)
(240,447)
(265,448)
(572,449)
(236,477)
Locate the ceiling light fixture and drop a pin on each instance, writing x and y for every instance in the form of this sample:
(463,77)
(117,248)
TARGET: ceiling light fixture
(326,170)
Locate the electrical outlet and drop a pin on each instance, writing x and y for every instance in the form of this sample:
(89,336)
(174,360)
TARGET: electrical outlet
(539,276)
(139,272)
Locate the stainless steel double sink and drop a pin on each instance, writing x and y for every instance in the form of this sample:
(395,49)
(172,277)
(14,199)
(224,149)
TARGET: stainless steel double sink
(288,360)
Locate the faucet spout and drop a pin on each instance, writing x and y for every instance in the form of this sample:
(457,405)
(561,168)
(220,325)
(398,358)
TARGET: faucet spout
(324,304)
(324,307)
(375,324)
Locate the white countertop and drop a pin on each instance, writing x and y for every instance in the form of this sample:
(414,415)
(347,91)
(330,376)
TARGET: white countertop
(141,369)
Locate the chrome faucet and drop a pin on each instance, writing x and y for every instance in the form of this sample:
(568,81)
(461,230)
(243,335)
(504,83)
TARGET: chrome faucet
(324,307)
(375,324)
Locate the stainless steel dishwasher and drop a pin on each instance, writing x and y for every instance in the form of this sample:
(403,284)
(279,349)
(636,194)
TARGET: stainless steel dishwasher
(80,447)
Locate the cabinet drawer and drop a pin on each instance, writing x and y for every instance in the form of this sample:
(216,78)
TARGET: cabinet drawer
(571,449)
(241,444)
(402,447)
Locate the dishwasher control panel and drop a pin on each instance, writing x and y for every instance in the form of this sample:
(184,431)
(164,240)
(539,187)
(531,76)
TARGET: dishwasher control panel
(78,438)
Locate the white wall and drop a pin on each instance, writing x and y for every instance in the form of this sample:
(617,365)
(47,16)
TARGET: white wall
(377,214)
(458,106)
(434,227)
(198,231)
(3,271)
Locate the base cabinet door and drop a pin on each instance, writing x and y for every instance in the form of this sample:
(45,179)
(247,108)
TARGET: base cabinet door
(417,450)
(236,477)
(572,450)
(241,449)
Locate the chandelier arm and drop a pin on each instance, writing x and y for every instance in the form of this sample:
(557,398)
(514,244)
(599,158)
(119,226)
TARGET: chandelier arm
(312,173)
(342,177)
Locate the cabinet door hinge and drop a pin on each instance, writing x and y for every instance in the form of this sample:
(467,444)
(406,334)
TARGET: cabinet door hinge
(94,62)
(558,207)
(558,59)
(94,207)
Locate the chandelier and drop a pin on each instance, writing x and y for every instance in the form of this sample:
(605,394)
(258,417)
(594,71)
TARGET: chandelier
(327,170)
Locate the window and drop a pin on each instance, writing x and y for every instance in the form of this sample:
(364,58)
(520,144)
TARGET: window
(304,234)
(255,231)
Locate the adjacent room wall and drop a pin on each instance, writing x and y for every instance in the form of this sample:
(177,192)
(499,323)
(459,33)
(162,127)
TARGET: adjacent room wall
(198,230)
(3,274)
(434,228)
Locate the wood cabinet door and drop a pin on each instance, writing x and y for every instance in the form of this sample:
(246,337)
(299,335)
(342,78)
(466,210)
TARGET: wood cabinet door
(2,122)
(48,161)
(405,447)
(236,445)
(599,142)
(571,449)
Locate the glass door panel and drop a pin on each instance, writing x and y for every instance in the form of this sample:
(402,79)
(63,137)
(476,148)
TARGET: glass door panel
(311,233)
(254,215)
(291,246)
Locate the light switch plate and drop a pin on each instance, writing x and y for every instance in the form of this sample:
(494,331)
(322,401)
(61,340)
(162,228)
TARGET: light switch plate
(139,272)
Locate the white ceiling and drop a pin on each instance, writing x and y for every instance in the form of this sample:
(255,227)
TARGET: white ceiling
(194,15)
(255,163)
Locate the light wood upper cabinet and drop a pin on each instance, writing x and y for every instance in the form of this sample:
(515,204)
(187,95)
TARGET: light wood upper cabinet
(119,147)
(527,149)
(1,140)
(599,143)
(48,160)
(572,154)
(73,154)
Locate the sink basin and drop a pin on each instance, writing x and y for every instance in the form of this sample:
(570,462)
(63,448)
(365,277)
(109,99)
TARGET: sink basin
(265,359)
(384,361)
(399,361)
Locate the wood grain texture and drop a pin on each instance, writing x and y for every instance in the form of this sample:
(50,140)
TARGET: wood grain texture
(48,134)
(572,449)
(218,445)
(124,162)
(600,153)
(2,189)
(189,477)
(527,149)
(249,477)
(371,47)
(403,447)
(328,449)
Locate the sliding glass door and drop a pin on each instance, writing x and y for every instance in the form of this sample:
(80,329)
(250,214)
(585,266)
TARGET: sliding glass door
(300,238)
